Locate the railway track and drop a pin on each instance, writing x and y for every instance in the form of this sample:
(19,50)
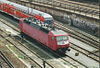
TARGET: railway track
(46,56)
(68,6)
(80,37)
(84,37)
(91,9)
(5,62)
(64,16)
(67,61)
(91,40)
(47,61)
(82,4)
(91,2)
(78,61)
(19,46)
(86,52)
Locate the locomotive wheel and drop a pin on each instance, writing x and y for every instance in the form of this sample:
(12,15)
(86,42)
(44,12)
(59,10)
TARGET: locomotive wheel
(63,50)
(22,34)
(68,49)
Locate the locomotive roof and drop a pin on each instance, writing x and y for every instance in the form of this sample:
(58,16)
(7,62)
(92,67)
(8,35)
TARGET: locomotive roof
(27,9)
(58,32)
(37,25)
(43,27)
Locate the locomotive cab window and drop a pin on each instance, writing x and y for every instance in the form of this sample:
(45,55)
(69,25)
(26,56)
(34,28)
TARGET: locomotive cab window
(62,40)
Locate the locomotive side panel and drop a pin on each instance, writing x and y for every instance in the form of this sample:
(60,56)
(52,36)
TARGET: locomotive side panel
(35,33)
(52,42)
(46,39)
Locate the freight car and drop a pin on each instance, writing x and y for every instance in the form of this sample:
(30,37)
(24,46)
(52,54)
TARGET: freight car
(19,11)
(53,38)
(87,26)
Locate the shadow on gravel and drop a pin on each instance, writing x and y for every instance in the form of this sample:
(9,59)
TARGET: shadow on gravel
(37,47)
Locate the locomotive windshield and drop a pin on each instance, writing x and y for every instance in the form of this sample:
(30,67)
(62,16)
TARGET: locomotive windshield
(62,40)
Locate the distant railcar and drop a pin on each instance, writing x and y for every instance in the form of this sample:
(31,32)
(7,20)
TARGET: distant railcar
(20,11)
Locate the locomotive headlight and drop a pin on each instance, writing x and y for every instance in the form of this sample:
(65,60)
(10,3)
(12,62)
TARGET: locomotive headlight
(63,42)
(66,42)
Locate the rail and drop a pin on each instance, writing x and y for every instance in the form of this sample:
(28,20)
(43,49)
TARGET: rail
(78,9)
(84,37)
(6,60)
(20,43)
(57,55)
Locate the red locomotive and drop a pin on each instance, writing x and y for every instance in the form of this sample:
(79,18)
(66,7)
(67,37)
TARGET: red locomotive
(49,36)
(37,25)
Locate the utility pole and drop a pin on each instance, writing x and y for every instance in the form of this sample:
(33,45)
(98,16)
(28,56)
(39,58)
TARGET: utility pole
(0,65)
(44,63)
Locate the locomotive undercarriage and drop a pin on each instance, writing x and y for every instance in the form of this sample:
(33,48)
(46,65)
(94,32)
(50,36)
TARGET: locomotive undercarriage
(22,34)
(63,50)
